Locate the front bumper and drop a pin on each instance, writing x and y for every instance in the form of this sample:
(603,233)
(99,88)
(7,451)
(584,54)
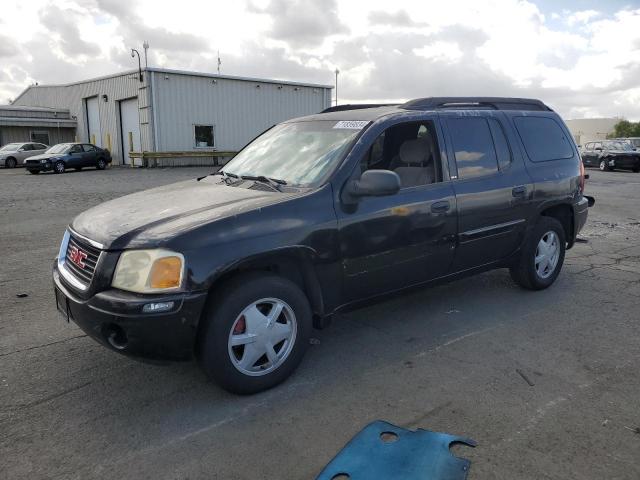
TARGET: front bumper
(40,167)
(115,319)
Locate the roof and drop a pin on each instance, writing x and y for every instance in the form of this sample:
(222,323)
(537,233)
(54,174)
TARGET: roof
(370,112)
(32,109)
(180,72)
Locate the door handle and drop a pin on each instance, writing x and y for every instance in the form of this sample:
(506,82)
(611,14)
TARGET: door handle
(440,207)
(519,191)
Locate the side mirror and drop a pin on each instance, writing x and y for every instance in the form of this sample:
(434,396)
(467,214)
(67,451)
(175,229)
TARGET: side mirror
(373,183)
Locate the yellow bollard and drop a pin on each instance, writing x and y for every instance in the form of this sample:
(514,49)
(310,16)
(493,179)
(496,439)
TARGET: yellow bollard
(93,138)
(108,141)
(131,147)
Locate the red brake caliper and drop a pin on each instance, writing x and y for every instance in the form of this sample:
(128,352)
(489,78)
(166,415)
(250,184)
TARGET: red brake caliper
(240,326)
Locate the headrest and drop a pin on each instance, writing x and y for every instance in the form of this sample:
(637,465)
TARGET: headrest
(415,151)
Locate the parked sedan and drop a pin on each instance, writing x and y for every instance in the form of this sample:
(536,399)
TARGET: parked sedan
(13,154)
(611,154)
(69,155)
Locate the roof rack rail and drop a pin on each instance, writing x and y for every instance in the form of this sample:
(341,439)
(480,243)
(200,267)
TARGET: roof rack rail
(356,106)
(495,103)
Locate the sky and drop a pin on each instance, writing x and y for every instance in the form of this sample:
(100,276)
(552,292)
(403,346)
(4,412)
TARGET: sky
(581,57)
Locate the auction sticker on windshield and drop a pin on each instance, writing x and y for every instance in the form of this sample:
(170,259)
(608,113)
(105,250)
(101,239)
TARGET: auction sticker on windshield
(351,124)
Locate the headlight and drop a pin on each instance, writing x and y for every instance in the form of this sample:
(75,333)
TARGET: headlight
(149,271)
(44,161)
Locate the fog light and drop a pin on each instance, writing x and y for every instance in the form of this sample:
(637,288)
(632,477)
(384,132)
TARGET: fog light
(157,307)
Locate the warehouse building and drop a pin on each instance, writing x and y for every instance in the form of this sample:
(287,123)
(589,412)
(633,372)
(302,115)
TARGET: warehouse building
(586,130)
(175,112)
(34,124)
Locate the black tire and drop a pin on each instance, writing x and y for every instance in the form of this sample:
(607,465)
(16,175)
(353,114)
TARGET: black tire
(636,169)
(78,169)
(224,308)
(34,172)
(59,167)
(524,271)
(10,162)
(101,164)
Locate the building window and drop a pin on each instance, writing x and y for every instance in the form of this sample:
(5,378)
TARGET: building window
(40,137)
(203,136)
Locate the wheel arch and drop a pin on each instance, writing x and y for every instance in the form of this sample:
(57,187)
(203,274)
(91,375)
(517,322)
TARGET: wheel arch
(293,263)
(562,212)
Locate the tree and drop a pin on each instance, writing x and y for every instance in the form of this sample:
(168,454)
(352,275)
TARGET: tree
(625,128)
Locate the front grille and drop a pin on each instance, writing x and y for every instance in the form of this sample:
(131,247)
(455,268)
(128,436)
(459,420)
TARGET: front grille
(85,275)
(32,161)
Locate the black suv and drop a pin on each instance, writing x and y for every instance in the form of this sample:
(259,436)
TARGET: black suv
(319,214)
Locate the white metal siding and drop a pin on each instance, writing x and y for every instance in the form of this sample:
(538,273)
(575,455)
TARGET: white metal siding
(238,110)
(72,97)
(130,122)
(235,107)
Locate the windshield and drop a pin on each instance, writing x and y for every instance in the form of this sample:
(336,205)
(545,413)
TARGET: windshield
(10,147)
(60,148)
(617,146)
(301,153)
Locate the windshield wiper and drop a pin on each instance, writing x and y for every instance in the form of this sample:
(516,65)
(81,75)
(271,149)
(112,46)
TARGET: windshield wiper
(225,175)
(274,183)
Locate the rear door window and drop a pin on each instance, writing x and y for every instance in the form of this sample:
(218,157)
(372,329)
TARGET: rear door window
(543,139)
(473,147)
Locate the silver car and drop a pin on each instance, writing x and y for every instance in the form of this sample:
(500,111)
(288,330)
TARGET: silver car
(13,154)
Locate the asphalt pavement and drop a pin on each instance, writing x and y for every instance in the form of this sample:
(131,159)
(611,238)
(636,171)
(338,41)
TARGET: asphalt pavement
(547,383)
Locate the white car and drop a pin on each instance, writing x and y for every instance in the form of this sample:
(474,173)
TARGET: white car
(13,154)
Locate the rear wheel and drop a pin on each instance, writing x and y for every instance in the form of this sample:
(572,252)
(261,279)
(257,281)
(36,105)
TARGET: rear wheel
(255,334)
(101,165)
(10,163)
(542,256)
(59,167)
(636,169)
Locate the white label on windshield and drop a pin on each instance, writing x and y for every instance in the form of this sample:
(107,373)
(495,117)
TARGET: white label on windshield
(352,124)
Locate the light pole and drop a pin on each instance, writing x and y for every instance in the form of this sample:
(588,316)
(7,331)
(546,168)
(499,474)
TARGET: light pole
(337,72)
(145,45)
(135,52)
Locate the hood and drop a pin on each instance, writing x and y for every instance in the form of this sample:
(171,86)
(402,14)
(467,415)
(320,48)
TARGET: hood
(152,217)
(621,152)
(45,156)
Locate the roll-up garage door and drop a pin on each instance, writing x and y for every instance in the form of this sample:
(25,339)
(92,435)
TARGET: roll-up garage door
(93,121)
(130,125)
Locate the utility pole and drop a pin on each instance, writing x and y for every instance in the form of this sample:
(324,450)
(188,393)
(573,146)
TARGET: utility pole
(145,45)
(337,72)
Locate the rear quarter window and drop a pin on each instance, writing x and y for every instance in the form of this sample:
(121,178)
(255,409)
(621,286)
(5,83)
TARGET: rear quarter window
(543,139)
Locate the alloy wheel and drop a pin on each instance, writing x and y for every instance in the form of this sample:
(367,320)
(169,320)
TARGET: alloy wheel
(547,254)
(262,337)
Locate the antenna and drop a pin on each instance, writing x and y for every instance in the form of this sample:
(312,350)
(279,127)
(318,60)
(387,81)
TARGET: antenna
(145,45)
(219,62)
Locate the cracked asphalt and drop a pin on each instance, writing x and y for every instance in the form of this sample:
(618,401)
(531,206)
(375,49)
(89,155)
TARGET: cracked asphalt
(547,383)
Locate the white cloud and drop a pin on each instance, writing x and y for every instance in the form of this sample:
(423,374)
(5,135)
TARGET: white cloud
(583,16)
(581,62)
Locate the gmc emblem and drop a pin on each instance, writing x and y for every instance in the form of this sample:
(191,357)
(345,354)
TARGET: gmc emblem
(77,256)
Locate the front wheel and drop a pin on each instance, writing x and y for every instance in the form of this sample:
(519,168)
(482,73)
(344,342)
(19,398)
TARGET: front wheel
(542,256)
(59,167)
(255,334)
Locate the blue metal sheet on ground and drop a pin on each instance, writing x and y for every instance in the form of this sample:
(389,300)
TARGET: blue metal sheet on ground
(384,451)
